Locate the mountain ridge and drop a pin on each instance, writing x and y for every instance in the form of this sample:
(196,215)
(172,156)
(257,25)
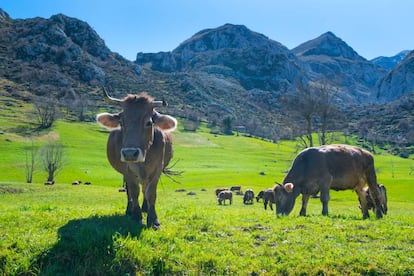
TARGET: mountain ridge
(228,71)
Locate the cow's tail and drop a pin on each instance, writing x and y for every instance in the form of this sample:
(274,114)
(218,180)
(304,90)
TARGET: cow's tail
(170,173)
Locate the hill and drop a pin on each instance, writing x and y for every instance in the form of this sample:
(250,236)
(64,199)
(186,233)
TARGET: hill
(229,72)
(59,56)
(399,81)
(45,226)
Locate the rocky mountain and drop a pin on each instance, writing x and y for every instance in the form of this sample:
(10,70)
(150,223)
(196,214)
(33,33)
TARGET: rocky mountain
(229,71)
(234,51)
(53,56)
(399,81)
(332,60)
(389,63)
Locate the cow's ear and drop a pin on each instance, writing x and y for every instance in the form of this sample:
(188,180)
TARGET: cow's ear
(109,121)
(165,122)
(288,187)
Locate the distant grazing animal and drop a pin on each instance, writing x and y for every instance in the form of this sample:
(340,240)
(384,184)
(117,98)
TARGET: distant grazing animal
(383,199)
(77,182)
(268,198)
(88,183)
(223,195)
(139,147)
(248,197)
(220,190)
(50,182)
(319,169)
(236,189)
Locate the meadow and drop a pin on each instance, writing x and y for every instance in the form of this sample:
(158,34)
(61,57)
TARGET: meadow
(82,230)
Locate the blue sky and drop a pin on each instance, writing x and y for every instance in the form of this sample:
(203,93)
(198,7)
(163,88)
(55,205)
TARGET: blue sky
(371,27)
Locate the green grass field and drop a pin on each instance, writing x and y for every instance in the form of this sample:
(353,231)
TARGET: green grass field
(82,230)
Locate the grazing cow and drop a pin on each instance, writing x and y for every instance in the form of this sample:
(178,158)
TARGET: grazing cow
(236,189)
(223,195)
(319,169)
(268,198)
(248,197)
(383,199)
(220,190)
(50,182)
(139,147)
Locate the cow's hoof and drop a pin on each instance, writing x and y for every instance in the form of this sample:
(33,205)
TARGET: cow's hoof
(154,225)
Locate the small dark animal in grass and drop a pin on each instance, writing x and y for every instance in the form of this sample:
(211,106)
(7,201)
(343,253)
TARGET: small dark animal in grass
(50,182)
(319,169)
(268,198)
(383,199)
(220,190)
(225,195)
(88,183)
(236,189)
(140,148)
(248,197)
(77,182)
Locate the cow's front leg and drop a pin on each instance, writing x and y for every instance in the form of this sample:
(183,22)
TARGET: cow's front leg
(133,208)
(144,202)
(324,186)
(151,196)
(305,200)
(363,202)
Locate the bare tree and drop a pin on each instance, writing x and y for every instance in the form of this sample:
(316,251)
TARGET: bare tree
(325,108)
(30,162)
(46,112)
(303,104)
(52,158)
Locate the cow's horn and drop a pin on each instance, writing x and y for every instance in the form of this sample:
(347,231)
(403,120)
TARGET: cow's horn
(159,103)
(110,100)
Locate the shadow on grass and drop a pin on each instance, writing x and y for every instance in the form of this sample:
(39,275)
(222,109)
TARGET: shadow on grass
(87,247)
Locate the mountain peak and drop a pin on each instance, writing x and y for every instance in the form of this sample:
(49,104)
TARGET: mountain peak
(390,62)
(4,16)
(226,36)
(327,44)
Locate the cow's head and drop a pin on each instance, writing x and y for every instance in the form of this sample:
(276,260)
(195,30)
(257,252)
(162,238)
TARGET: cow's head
(284,198)
(137,122)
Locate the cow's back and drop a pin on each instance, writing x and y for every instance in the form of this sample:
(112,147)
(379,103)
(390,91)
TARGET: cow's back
(347,165)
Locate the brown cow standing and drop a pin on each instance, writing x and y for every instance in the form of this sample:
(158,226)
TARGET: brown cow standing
(319,169)
(268,198)
(383,199)
(248,197)
(223,195)
(139,147)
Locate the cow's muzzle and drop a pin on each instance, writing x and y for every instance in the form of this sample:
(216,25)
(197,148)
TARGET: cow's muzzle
(132,155)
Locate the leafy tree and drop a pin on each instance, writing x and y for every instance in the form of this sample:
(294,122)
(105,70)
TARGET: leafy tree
(227,125)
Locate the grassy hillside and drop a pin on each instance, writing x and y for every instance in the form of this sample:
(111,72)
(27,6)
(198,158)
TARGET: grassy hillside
(82,230)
